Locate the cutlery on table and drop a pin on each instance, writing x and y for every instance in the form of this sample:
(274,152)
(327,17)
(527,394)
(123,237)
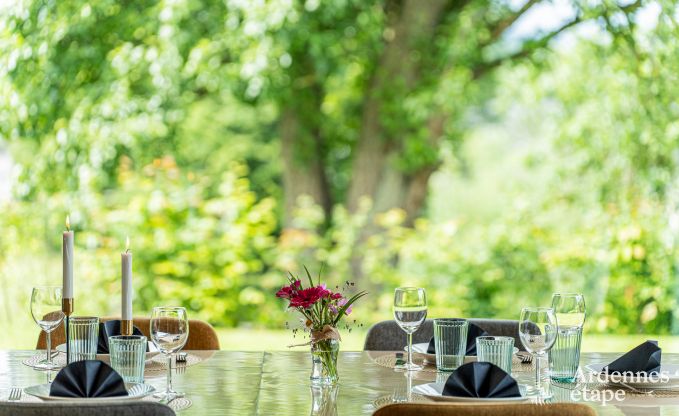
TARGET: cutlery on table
(524,357)
(180,363)
(14,394)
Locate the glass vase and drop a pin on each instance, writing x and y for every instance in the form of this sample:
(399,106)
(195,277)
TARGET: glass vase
(324,362)
(324,400)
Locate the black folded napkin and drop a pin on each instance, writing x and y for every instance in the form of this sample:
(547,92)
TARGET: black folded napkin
(644,358)
(473,331)
(481,379)
(89,378)
(109,329)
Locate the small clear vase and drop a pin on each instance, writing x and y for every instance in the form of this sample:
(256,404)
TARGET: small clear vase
(324,362)
(324,400)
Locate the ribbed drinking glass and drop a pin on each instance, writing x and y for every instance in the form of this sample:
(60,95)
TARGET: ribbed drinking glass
(128,355)
(450,341)
(83,334)
(496,350)
(564,357)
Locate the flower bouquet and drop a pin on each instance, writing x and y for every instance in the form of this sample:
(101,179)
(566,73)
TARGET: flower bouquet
(323,310)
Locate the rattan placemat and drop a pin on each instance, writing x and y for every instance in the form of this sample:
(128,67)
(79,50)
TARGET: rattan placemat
(155,364)
(59,360)
(389,361)
(178,404)
(518,366)
(392,398)
(159,363)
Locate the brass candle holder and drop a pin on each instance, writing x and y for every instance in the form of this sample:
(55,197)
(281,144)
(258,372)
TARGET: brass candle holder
(126,327)
(67,306)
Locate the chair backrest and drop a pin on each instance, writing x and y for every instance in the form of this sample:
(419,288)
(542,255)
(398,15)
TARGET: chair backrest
(388,336)
(139,408)
(202,336)
(419,409)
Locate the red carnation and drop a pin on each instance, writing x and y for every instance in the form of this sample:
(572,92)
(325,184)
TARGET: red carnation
(288,291)
(307,297)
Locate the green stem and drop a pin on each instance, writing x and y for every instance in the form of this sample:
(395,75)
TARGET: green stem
(328,357)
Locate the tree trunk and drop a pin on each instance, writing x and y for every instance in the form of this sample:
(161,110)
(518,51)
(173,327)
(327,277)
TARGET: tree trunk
(303,172)
(373,172)
(373,175)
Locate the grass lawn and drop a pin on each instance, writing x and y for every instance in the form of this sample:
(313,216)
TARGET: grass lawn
(241,339)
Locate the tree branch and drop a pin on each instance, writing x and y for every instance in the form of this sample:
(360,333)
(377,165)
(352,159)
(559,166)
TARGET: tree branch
(527,48)
(632,7)
(504,24)
(626,32)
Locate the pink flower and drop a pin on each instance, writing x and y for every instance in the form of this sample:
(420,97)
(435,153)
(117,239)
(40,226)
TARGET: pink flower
(287,292)
(307,297)
(343,302)
(335,308)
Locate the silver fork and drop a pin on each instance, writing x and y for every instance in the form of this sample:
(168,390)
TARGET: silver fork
(524,357)
(180,363)
(14,394)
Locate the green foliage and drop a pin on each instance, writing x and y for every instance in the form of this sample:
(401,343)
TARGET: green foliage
(158,120)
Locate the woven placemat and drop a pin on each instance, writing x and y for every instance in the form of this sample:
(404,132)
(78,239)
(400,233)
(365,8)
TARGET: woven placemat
(159,363)
(59,360)
(155,364)
(178,404)
(518,366)
(391,398)
(389,361)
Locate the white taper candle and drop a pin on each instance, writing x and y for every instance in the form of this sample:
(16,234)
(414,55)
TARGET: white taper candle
(67,263)
(126,262)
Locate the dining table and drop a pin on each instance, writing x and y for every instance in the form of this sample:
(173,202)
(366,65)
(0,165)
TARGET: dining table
(277,383)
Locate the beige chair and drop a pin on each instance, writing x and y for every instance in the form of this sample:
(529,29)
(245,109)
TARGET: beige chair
(202,336)
(418,409)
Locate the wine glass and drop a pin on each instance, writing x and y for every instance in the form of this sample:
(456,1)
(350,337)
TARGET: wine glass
(537,330)
(169,332)
(410,310)
(47,313)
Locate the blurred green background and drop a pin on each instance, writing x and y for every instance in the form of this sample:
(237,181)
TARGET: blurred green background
(492,151)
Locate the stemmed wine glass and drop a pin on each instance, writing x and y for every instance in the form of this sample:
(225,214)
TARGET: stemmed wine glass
(537,330)
(410,311)
(169,332)
(46,312)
